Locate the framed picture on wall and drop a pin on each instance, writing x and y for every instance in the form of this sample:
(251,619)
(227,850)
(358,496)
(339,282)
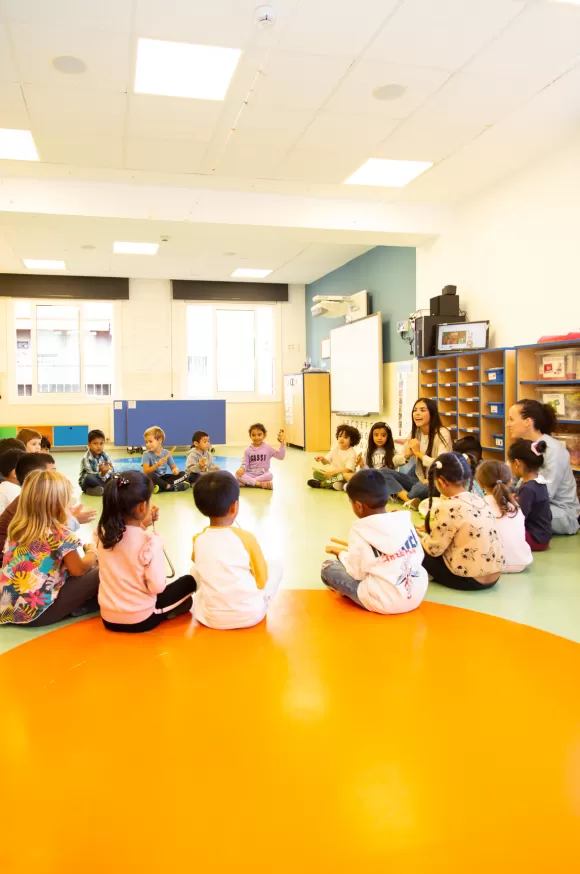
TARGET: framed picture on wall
(325,348)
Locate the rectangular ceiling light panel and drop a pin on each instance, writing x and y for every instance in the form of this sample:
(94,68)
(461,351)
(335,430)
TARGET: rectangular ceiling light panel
(120,248)
(388,173)
(177,69)
(17,145)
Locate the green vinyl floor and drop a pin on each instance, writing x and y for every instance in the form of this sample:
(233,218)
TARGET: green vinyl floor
(294,523)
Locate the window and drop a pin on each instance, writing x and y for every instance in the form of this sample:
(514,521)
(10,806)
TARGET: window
(230,350)
(64,349)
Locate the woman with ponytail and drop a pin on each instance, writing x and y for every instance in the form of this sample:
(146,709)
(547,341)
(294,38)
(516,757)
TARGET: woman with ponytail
(494,479)
(533,421)
(134,594)
(461,543)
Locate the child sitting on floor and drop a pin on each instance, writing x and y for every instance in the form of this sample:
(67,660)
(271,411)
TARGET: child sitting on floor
(526,459)
(255,470)
(235,585)
(134,594)
(199,460)
(157,462)
(471,447)
(494,478)
(380,448)
(96,466)
(9,487)
(30,438)
(342,461)
(381,567)
(43,578)
(461,543)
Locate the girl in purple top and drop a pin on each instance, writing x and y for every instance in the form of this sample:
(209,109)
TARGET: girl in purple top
(255,468)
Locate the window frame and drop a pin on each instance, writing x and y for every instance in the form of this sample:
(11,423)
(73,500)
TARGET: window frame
(47,398)
(239,397)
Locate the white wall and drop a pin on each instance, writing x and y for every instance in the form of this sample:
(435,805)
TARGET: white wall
(514,253)
(153,362)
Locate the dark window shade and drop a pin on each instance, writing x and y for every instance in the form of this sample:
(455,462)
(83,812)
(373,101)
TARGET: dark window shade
(245,292)
(73,287)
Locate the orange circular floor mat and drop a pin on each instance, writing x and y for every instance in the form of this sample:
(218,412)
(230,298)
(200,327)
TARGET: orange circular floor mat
(332,740)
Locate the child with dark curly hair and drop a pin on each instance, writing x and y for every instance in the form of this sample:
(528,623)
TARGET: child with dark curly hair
(341,461)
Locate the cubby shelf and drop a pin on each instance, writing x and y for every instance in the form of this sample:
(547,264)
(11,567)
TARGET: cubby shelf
(474,391)
(549,382)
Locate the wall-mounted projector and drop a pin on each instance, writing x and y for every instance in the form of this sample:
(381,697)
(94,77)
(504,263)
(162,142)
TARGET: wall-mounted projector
(333,306)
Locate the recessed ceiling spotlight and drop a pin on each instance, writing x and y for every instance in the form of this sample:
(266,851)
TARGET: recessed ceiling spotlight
(120,248)
(43,264)
(69,65)
(88,246)
(177,69)
(388,173)
(389,92)
(250,273)
(229,254)
(17,145)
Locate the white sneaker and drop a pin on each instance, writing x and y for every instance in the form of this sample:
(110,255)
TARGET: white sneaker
(338,486)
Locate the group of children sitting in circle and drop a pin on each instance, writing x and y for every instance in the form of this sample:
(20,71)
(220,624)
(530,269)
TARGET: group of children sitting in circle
(476,527)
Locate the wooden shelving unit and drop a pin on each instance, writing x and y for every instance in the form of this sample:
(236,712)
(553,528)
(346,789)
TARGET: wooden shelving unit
(530,385)
(474,391)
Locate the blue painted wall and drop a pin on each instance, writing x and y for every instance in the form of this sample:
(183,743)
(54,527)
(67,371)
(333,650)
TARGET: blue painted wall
(389,274)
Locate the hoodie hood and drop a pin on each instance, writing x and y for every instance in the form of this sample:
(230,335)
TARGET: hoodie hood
(387,532)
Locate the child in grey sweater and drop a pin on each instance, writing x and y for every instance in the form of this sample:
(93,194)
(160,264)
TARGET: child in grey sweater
(199,460)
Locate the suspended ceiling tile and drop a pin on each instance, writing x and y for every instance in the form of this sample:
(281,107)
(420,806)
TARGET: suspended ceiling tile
(154,117)
(111,15)
(13,112)
(177,155)
(350,130)
(426,141)
(299,81)
(442,34)
(67,111)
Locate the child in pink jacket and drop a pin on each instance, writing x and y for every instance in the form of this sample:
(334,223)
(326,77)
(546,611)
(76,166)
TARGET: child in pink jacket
(255,468)
(134,594)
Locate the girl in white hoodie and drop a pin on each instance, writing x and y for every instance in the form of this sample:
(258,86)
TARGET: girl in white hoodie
(494,478)
(381,568)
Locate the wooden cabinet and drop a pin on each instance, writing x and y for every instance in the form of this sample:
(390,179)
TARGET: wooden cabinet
(473,392)
(307,410)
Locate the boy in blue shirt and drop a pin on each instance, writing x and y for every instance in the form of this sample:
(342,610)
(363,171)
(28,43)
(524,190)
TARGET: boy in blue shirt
(96,466)
(157,462)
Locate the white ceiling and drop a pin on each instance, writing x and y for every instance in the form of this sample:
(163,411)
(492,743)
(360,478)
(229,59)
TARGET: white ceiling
(491,85)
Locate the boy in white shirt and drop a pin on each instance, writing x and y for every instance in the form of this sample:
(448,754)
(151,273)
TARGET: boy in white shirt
(381,568)
(342,461)
(9,487)
(234,583)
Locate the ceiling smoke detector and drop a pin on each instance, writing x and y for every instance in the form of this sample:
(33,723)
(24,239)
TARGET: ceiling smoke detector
(265,16)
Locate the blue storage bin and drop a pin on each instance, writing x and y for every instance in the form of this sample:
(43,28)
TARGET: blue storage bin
(495,409)
(495,374)
(70,435)
(498,440)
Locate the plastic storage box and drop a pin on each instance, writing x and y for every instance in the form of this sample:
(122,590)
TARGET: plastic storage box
(494,409)
(565,399)
(572,444)
(498,440)
(495,374)
(559,364)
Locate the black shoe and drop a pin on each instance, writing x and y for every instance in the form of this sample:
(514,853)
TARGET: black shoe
(181,609)
(314,484)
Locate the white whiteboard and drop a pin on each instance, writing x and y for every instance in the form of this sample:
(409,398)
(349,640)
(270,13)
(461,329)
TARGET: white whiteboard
(356,366)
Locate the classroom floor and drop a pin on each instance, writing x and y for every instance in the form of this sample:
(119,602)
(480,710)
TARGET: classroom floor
(327,739)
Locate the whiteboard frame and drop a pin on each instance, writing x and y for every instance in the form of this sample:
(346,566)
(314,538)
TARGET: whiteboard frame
(379,317)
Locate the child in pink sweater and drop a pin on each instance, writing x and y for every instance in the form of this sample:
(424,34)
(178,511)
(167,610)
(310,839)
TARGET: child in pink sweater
(255,468)
(134,594)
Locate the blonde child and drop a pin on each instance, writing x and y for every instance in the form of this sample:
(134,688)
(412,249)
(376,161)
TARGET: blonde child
(494,478)
(254,470)
(235,585)
(380,568)
(31,439)
(342,460)
(43,578)
(461,543)
(157,462)
(199,460)
(134,594)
